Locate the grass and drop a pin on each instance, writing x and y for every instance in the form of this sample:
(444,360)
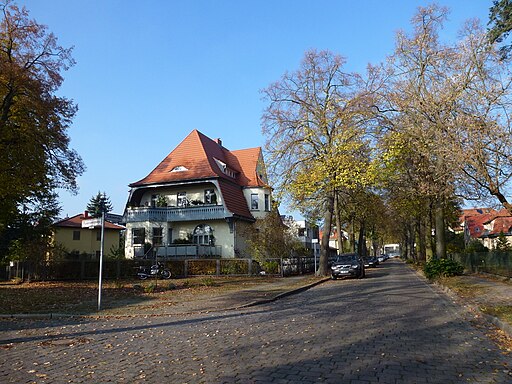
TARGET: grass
(81,297)
(461,286)
(502,312)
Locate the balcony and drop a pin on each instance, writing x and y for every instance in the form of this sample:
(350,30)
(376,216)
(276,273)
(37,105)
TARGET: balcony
(167,214)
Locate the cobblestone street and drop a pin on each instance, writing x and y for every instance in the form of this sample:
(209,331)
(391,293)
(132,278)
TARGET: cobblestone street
(391,327)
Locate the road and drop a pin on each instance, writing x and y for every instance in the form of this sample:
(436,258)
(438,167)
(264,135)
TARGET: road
(390,327)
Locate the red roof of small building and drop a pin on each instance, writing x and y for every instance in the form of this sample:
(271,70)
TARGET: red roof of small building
(76,222)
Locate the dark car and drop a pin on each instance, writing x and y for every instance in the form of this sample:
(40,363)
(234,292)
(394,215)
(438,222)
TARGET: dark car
(371,262)
(348,265)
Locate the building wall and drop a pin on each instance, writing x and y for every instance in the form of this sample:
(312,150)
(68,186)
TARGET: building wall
(89,240)
(181,230)
(261,211)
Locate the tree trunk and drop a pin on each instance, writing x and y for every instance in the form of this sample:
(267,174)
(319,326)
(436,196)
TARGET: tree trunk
(422,238)
(361,245)
(338,223)
(323,263)
(440,234)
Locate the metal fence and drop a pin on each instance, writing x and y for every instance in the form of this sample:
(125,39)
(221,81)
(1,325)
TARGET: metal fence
(126,269)
(496,263)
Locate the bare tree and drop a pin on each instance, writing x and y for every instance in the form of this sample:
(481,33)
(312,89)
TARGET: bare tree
(315,125)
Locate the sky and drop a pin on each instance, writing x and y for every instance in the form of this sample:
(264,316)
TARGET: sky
(149,72)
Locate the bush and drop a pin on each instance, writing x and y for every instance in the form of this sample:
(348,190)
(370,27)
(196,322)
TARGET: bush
(442,267)
(270,267)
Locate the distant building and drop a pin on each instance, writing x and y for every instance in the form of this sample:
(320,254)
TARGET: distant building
(306,232)
(485,225)
(69,234)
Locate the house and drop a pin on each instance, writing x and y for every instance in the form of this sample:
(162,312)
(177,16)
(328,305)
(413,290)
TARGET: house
(200,201)
(485,225)
(69,234)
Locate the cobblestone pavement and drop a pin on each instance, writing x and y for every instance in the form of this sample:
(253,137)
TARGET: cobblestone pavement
(391,327)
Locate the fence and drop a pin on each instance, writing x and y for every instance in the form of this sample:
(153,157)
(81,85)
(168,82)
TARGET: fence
(126,269)
(496,263)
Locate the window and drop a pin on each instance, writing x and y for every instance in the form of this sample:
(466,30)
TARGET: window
(267,202)
(154,199)
(76,235)
(138,235)
(203,235)
(302,232)
(157,236)
(179,168)
(182,199)
(169,236)
(210,197)
(254,201)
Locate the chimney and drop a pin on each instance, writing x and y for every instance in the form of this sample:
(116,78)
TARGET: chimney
(218,141)
(86,214)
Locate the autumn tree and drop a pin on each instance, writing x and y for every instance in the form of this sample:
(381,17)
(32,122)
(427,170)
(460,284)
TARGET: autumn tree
(424,94)
(271,240)
(34,154)
(315,124)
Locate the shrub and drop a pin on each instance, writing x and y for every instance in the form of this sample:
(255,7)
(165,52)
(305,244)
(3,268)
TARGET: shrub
(271,267)
(208,282)
(150,288)
(442,267)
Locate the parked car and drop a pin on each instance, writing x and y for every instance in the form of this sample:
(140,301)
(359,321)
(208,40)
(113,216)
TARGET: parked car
(347,265)
(371,262)
(382,258)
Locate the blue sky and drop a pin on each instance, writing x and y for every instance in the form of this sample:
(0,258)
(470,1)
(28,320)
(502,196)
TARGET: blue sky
(149,72)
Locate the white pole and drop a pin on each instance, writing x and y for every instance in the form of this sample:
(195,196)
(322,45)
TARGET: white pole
(101,257)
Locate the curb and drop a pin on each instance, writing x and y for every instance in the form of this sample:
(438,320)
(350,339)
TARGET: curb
(280,295)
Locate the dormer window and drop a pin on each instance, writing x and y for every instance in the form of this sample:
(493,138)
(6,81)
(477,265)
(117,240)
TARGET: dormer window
(224,168)
(179,168)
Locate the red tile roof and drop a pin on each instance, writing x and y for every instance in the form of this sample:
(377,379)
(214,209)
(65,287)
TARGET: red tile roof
(197,154)
(475,219)
(501,224)
(76,222)
(198,157)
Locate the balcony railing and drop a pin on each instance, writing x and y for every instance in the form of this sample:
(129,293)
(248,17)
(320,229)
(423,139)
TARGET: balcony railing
(176,251)
(167,214)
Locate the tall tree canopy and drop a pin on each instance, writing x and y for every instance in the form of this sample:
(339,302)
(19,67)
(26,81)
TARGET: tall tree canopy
(316,131)
(35,157)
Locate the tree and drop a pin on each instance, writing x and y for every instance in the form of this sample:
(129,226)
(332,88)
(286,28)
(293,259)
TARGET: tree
(271,240)
(502,243)
(98,204)
(317,141)
(424,96)
(500,22)
(34,154)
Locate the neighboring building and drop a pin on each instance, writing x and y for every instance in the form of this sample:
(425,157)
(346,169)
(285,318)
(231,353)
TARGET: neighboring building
(485,225)
(305,232)
(68,233)
(201,193)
